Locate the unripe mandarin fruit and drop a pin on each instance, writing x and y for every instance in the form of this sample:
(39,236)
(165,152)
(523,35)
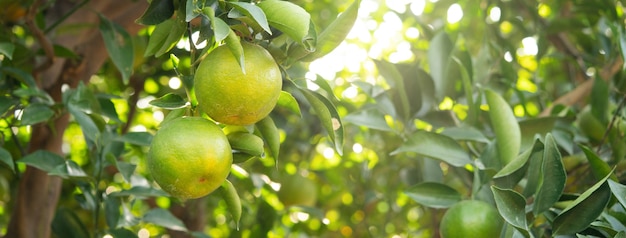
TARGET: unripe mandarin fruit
(189,157)
(471,218)
(231,97)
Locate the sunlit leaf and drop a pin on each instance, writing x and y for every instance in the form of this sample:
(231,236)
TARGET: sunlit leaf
(169,101)
(157,12)
(254,12)
(126,169)
(335,33)
(515,165)
(511,205)
(553,177)
(165,36)
(119,45)
(89,127)
(231,197)
(270,134)
(619,191)
(137,138)
(392,75)
(507,130)
(162,217)
(287,17)
(287,101)
(436,195)
(328,115)
(370,118)
(234,44)
(435,146)
(584,210)
(439,58)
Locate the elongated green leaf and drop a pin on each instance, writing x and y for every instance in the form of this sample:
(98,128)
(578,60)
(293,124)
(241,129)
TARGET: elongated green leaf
(126,169)
(507,130)
(220,28)
(435,195)
(70,170)
(19,74)
(599,168)
(535,127)
(435,146)
(7,48)
(534,171)
(554,177)
(287,17)
(511,205)
(515,165)
(287,101)
(87,125)
(394,78)
(439,58)
(157,12)
(619,191)
(465,133)
(162,217)
(584,210)
(335,33)
(328,116)
(119,45)
(231,197)
(140,192)
(36,113)
(270,134)
(122,233)
(370,118)
(137,138)
(599,100)
(7,159)
(253,12)
(169,101)
(234,44)
(43,160)
(165,35)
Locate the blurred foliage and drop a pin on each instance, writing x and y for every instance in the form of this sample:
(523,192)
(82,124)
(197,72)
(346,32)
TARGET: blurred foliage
(456,99)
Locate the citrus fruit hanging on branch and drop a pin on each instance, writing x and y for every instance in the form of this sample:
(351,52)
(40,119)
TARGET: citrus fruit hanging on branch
(230,96)
(189,157)
(471,218)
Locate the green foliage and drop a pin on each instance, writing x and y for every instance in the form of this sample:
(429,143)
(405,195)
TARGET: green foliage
(393,113)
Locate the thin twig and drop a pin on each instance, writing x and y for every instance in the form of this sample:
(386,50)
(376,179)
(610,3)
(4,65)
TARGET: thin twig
(65,16)
(608,129)
(45,43)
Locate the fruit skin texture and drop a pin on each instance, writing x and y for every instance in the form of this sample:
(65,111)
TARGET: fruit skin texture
(471,218)
(189,157)
(297,190)
(231,97)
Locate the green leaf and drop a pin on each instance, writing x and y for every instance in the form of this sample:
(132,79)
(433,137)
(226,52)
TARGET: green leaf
(507,130)
(465,134)
(270,134)
(619,191)
(7,159)
(584,210)
(553,175)
(287,17)
(254,12)
(517,164)
(169,101)
(119,45)
(112,211)
(230,196)
(511,205)
(137,138)
(599,101)
(435,146)
(335,33)
(141,192)
(43,160)
(164,218)
(439,61)
(20,75)
(287,101)
(87,125)
(370,118)
(328,115)
(7,48)
(70,170)
(5,104)
(220,29)
(36,113)
(67,224)
(390,72)
(535,127)
(191,9)
(126,169)
(165,36)
(435,195)
(157,12)
(234,44)
(598,167)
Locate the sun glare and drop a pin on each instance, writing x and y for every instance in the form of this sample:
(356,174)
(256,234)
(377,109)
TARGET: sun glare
(455,13)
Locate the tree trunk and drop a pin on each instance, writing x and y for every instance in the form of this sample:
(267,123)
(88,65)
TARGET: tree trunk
(38,193)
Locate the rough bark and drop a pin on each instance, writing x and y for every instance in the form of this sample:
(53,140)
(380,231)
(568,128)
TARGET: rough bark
(38,193)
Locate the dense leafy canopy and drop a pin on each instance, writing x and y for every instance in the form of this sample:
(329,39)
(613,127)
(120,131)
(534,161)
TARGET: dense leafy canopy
(390,113)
